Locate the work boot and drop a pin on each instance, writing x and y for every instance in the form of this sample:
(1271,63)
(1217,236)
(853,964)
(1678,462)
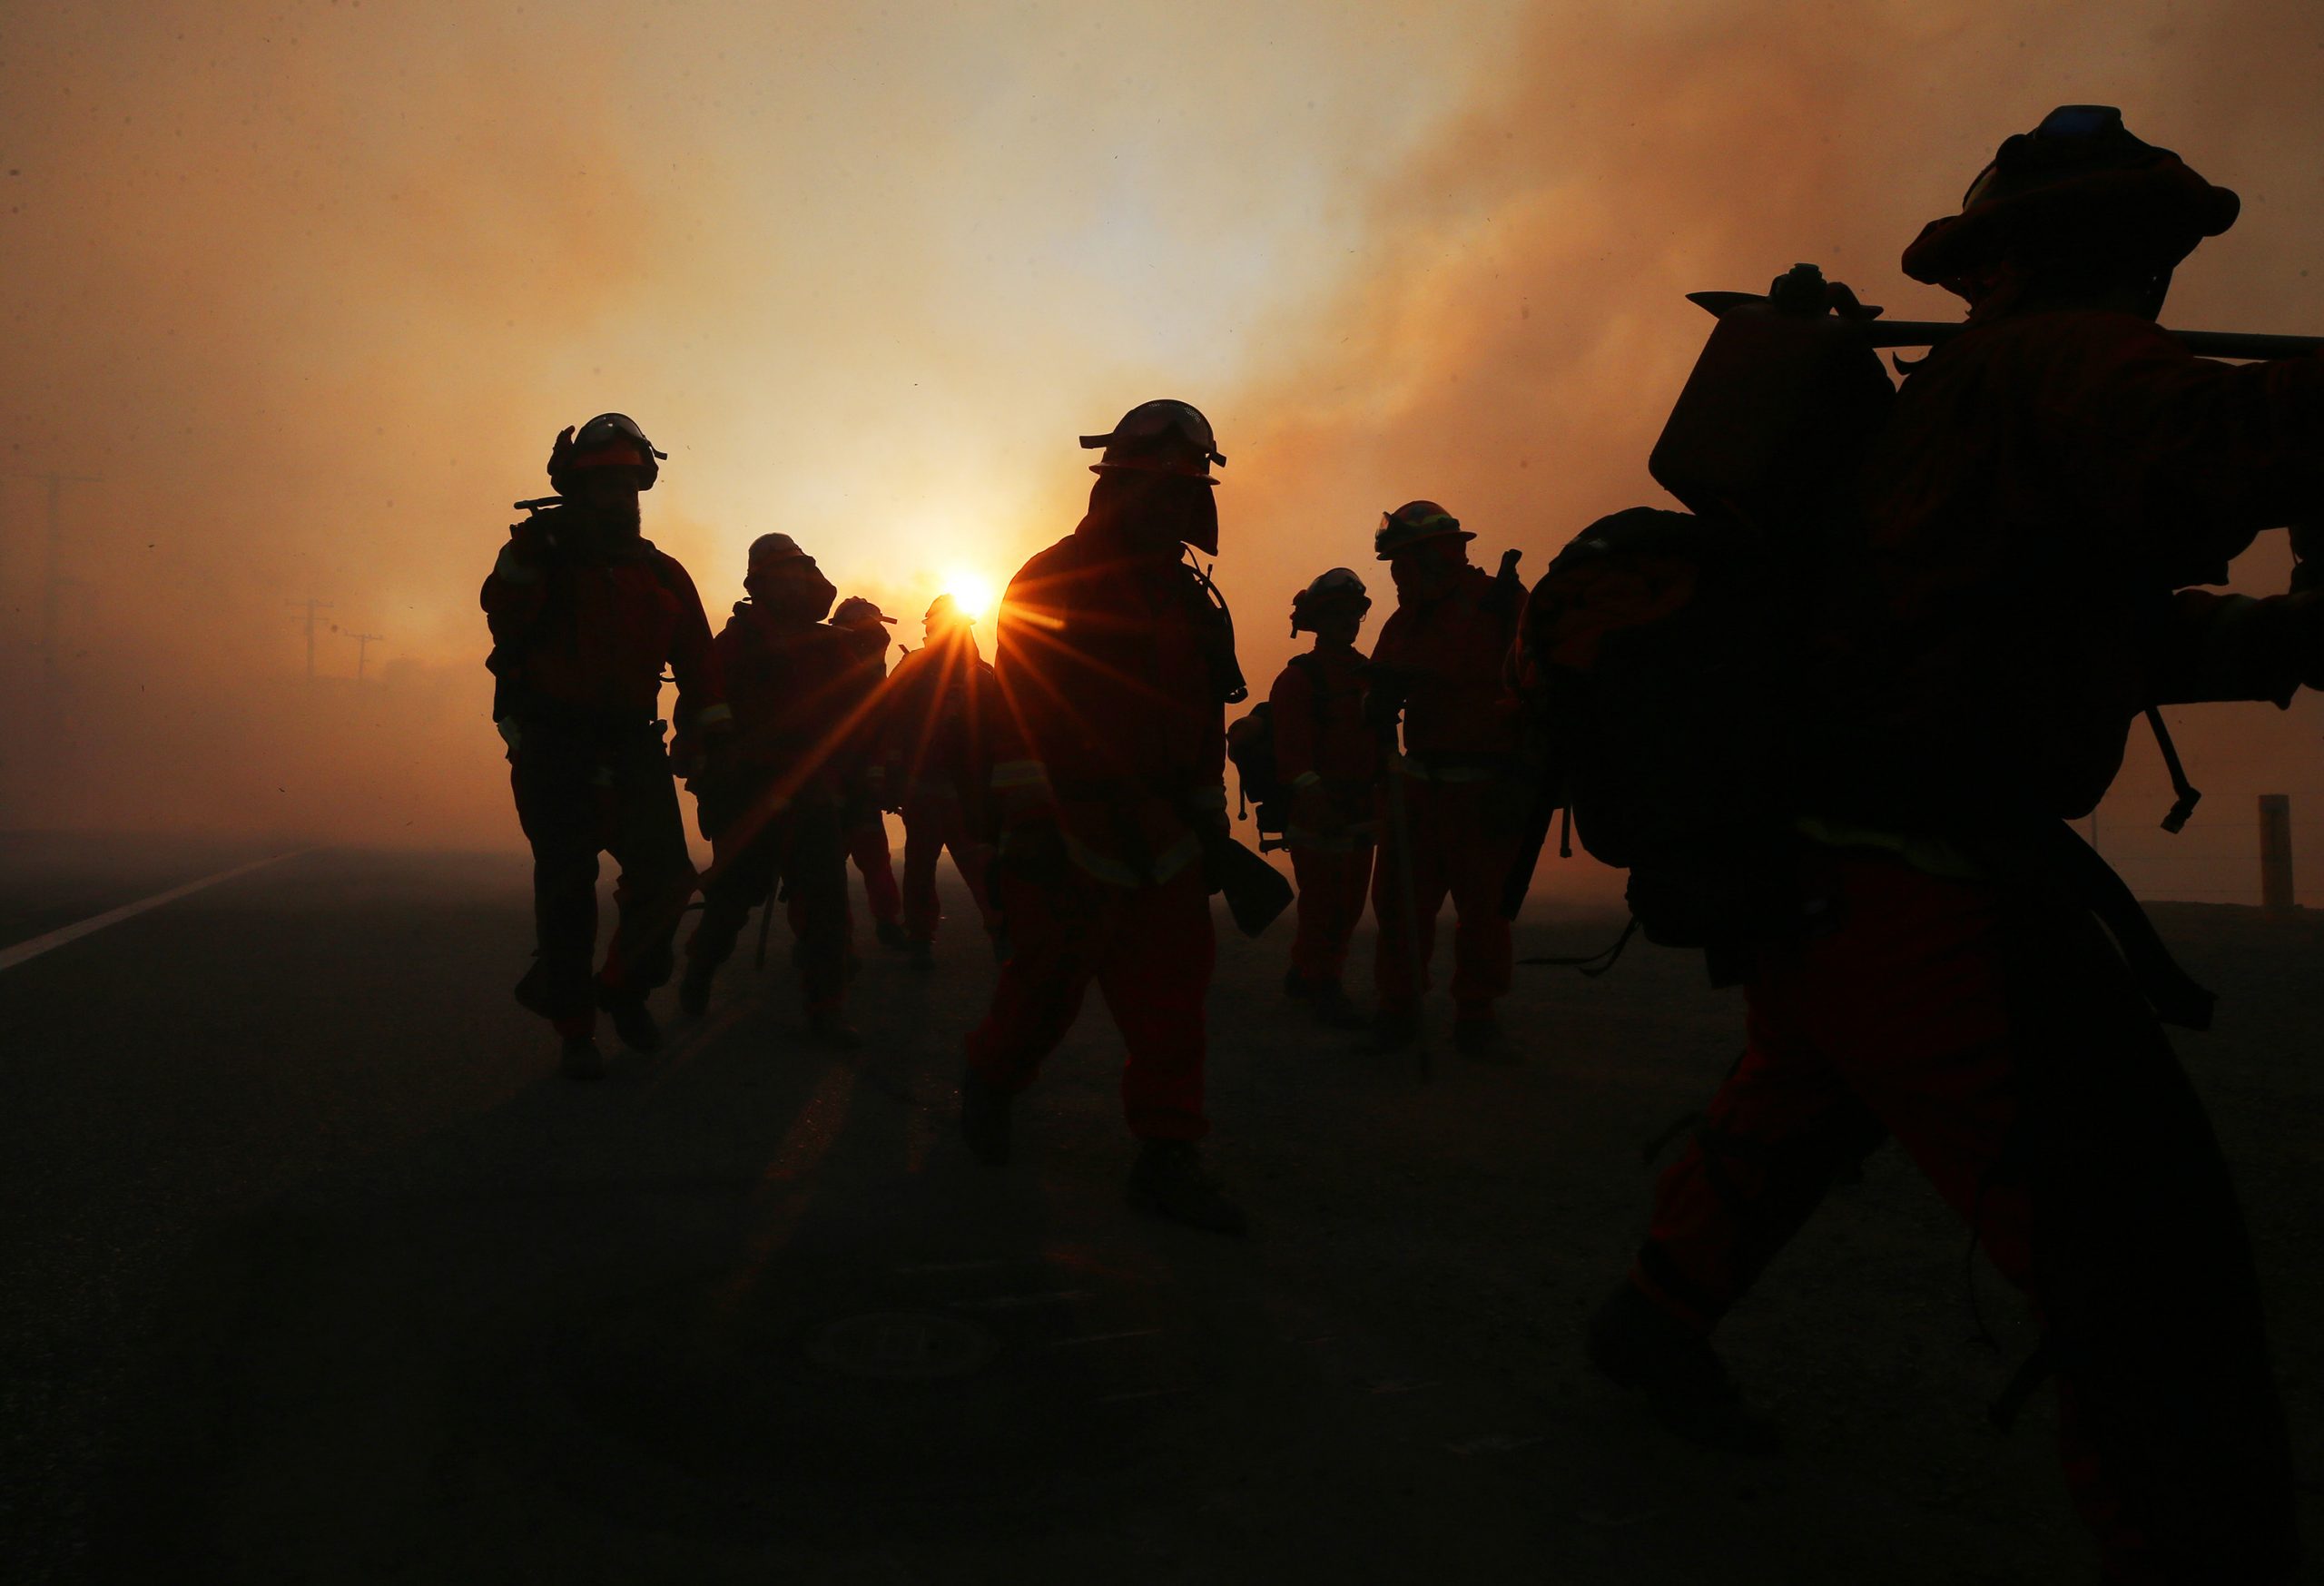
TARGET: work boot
(890,934)
(693,988)
(1333,1010)
(1638,1345)
(984,1118)
(1168,1179)
(1476,1036)
(633,1021)
(580,1058)
(831,1030)
(1395,1030)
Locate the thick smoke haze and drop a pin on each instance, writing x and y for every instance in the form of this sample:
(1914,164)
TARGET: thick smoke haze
(304,291)
(1519,328)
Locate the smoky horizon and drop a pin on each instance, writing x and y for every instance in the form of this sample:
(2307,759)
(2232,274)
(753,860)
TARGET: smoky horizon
(301,295)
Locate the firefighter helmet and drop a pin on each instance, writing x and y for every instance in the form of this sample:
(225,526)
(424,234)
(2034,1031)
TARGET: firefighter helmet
(2080,183)
(1160,437)
(774,547)
(855,612)
(784,579)
(1411,524)
(610,440)
(1338,590)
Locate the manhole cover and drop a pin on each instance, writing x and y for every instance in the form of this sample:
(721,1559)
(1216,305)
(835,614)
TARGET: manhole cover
(898,1347)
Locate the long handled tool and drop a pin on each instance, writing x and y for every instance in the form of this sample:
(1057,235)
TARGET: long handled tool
(1400,832)
(2249,346)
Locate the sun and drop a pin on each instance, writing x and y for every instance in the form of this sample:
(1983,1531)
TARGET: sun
(972,592)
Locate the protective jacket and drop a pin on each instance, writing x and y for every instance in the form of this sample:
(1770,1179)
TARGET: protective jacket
(933,716)
(799,693)
(585,638)
(1320,736)
(1112,723)
(1449,655)
(579,642)
(2046,482)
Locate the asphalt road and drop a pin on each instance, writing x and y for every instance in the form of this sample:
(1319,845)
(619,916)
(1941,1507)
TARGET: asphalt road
(314,1271)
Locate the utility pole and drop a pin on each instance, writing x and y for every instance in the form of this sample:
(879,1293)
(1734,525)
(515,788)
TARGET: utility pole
(363,643)
(54,582)
(312,605)
(2275,894)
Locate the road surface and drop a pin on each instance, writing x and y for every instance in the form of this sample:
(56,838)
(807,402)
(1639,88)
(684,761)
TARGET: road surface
(315,1271)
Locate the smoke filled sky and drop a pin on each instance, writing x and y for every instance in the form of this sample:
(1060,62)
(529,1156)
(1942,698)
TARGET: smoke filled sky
(308,287)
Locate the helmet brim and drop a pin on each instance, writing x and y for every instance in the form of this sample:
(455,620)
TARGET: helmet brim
(2162,208)
(1390,553)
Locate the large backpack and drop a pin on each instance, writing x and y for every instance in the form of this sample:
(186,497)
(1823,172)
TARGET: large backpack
(1660,656)
(1664,652)
(1667,656)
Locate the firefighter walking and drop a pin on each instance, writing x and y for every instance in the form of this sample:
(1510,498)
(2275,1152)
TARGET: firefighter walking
(2046,482)
(1327,756)
(773,808)
(933,730)
(585,613)
(868,797)
(1114,665)
(1441,661)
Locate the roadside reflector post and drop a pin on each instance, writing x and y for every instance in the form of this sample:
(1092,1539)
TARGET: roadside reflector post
(2275,853)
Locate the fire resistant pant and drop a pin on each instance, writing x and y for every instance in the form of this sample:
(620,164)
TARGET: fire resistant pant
(1149,951)
(867,845)
(801,847)
(582,791)
(1463,840)
(1332,886)
(2000,1040)
(934,821)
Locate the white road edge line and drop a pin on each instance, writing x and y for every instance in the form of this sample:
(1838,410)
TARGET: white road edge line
(24,951)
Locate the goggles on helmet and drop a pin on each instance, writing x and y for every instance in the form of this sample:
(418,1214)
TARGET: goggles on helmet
(1149,425)
(610,440)
(610,429)
(1431,519)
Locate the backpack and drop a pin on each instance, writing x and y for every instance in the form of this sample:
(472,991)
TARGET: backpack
(1250,747)
(1662,652)
(1659,655)
(1665,656)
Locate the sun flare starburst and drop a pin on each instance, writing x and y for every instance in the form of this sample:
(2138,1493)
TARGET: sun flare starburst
(974,593)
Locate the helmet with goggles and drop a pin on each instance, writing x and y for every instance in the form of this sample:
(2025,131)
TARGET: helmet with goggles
(610,440)
(1337,591)
(1161,437)
(1413,523)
